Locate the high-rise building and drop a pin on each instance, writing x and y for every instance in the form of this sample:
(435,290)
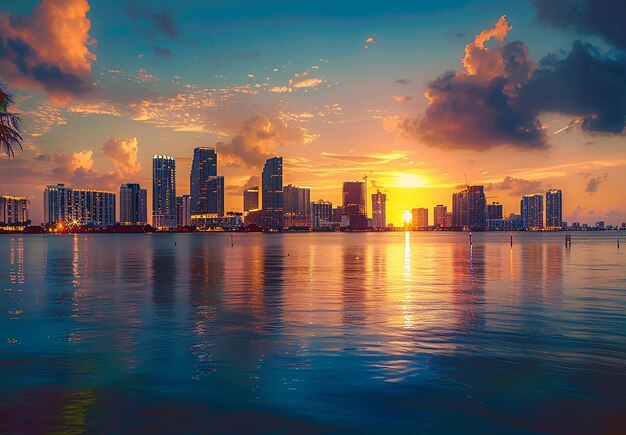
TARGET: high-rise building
(531,209)
(183,210)
(321,215)
(469,208)
(163,192)
(272,193)
(251,199)
(554,208)
(215,196)
(354,205)
(297,206)
(78,206)
(133,205)
(448,223)
(202,183)
(379,210)
(419,218)
(14,210)
(439,216)
(494,210)
(337,213)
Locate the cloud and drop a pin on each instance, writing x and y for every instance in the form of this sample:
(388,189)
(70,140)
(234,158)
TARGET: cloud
(162,21)
(253,181)
(258,141)
(306,83)
(401,99)
(364,159)
(517,186)
(402,81)
(49,49)
(123,152)
(161,51)
(94,109)
(594,183)
(496,100)
(587,17)
(280,89)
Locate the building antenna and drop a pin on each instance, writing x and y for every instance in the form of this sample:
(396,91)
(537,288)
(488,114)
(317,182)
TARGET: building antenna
(466,182)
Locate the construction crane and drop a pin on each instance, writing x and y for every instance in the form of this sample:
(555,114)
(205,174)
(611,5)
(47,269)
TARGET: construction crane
(365,178)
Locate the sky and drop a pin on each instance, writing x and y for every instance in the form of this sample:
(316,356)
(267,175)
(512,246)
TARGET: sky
(517,95)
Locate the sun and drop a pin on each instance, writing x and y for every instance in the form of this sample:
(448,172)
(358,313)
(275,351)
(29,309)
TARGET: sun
(407,216)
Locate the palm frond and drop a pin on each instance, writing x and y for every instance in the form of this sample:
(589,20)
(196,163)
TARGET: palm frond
(10,139)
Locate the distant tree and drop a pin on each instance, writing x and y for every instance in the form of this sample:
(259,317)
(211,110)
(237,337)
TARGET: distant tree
(10,137)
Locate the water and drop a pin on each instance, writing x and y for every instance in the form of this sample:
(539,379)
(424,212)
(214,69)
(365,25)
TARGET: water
(392,332)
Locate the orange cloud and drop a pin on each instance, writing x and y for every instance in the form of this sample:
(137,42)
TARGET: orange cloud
(49,49)
(481,61)
(123,153)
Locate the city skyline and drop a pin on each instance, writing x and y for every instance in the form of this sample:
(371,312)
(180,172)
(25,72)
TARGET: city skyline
(335,104)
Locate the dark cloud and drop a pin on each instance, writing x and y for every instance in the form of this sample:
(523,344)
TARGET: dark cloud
(594,183)
(49,49)
(402,81)
(161,51)
(498,97)
(162,22)
(604,18)
(517,186)
(456,35)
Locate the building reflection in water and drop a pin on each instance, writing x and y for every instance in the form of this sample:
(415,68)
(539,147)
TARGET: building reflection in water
(16,260)
(163,272)
(468,286)
(354,285)
(273,271)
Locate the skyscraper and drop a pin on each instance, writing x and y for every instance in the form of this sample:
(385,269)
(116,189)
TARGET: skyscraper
(531,209)
(469,208)
(272,193)
(183,210)
(439,216)
(133,205)
(78,206)
(379,209)
(251,199)
(201,182)
(215,196)
(163,192)
(14,210)
(354,205)
(419,218)
(321,215)
(554,208)
(297,206)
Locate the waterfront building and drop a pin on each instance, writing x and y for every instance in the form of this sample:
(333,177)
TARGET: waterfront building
(337,213)
(272,194)
(206,187)
(297,206)
(439,216)
(554,209)
(419,218)
(469,209)
(321,215)
(448,223)
(133,204)
(251,199)
(353,215)
(531,209)
(494,210)
(164,192)
(14,211)
(379,210)
(183,211)
(210,222)
(84,207)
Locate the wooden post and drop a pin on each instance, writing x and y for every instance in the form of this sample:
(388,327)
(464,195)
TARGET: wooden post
(470,239)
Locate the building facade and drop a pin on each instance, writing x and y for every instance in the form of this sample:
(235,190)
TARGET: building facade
(353,214)
(251,199)
(14,211)
(133,205)
(272,194)
(419,218)
(554,209)
(321,215)
(469,209)
(494,210)
(206,187)
(297,206)
(379,210)
(439,216)
(183,211)
(164,192)
(531,210)
(83,207)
